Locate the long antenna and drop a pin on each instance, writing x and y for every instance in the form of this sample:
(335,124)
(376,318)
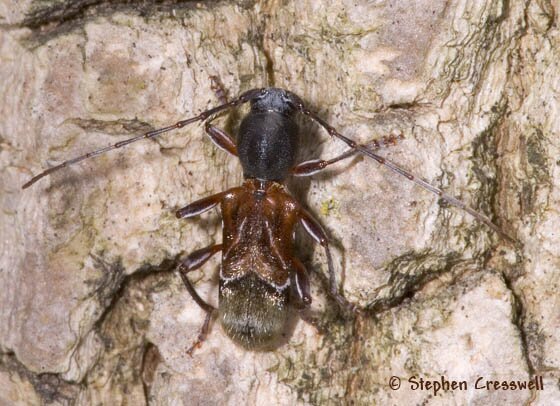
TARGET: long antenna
(245,97)
(401,171)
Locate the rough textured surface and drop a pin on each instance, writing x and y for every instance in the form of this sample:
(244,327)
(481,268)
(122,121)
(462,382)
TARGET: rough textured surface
(90,310)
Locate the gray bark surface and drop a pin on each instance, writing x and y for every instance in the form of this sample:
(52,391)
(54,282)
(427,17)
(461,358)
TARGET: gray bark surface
(91,311)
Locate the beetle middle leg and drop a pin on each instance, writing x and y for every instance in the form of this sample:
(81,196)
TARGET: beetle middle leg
(193,262)
(200,206)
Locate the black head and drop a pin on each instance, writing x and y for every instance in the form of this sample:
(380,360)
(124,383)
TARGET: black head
(276,100)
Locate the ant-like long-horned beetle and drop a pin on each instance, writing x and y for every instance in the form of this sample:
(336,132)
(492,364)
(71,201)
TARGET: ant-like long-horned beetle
(260,275)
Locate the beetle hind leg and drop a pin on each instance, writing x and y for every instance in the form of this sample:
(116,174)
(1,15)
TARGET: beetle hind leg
(301,289)
(313,228)
(203,333)
(193,262)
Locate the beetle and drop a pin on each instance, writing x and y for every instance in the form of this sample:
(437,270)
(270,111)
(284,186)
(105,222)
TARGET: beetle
(260,277)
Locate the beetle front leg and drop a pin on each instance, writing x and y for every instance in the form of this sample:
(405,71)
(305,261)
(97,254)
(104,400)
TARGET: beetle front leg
(193,262)
(221,138)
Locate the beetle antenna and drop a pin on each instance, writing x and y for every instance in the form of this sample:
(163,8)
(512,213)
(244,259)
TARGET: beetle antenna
(364,150)
(243,98)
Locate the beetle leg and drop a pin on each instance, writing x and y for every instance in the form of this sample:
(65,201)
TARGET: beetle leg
(193,262)
(202,334)
(367,151)
(314,229)
(200,206)
(220,138)
(313,166)
(301,283)
(218,89)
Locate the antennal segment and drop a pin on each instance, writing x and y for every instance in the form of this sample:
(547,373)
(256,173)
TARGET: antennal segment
(245,97)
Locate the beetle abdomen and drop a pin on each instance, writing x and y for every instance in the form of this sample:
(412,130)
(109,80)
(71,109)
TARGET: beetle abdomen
(253,313)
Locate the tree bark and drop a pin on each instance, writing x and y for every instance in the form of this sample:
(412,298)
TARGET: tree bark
(90,308)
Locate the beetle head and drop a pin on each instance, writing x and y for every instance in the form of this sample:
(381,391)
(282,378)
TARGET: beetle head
(276,100)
